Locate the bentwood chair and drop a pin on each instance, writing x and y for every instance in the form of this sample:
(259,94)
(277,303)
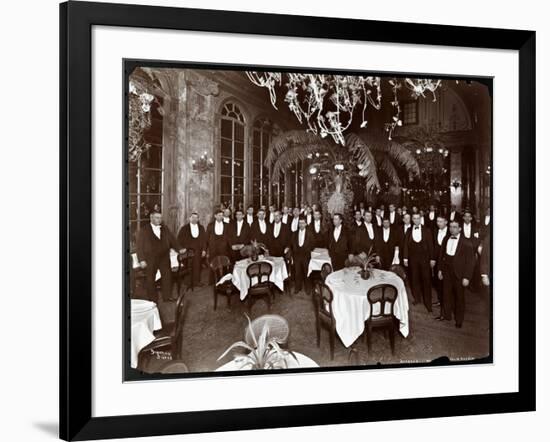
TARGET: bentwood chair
(185,268)
(166,346)
(221,266)
(277,328)
(383,296)
(260,285)
(324,316)
(326,269)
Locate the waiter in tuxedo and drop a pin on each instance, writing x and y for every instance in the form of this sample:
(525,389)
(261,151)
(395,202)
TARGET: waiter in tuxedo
(259,230)
(403,229)
(302,244)
(369,240)
(440,235)
(454,215)
(387,245)
(338,243)
(457,266)
(219,237)
(249,216)
(392,215)
(430,219)
(469,228)
(154,242)
(192,236)
(294,220)
(418,255)
(485,260)
(318,230)
(240,235)
(285,215)
(279,236)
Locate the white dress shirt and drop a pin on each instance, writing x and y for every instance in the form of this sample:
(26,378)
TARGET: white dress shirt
(239,227)
(308,218)
(226,219)
(249,218)
(336,232)
(263,226)
(156,230)
(487,219)
(218,227)
(452,216)
(467,230)
(285,218)
(417,233)
(431,215)
(379,220)
(386,234)
(276,229)
(301,237)
(271,217)
(451,245)
(317,225)
(392,217)
(194,230)
(422,220)
(441,235)
(370,230)
(294,225)
(406,228)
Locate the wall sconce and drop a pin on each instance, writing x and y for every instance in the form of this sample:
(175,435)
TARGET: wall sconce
(203,165)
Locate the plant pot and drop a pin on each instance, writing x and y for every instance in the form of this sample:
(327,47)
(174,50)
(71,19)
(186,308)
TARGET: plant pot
(365,273)
(254,256)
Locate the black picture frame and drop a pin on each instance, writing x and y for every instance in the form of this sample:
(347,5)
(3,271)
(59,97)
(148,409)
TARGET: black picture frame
(76,21)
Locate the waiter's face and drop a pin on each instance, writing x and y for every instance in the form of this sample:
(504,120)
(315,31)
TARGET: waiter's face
(227,213)
(261,214)
(219,216)
(285,210)
(391,207)
(357,215)
(239,215)
(316,215)
(194,219)
(467,218)
(416,219)
(296,211)
(386,224)
(302,224)
(368,217)
(250,211)
(454,228)
(156,219)
(407,218)
(336,220)
(277,216)
(441,222)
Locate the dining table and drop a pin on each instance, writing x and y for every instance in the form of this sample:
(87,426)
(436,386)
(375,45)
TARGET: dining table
(351,307)
(240,278)
(174,264)
(319,256)
(144,320)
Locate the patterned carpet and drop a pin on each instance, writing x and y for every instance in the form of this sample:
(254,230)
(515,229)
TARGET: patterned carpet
(207,333)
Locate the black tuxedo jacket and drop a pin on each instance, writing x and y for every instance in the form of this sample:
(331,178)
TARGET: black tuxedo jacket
(426,244)
(303,252)
(218,245)
(485,257)
(386,250)
(244,237)
(256,233)
(319,238)
(149,247)
(437,246)
(474,233)
(186,240)
(463,261)
(458,217)
(340,247)
(278,245)
(396,220)
(430,223)
(360,241)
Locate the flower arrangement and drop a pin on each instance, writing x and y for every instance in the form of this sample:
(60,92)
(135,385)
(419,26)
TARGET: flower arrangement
(265,352)
(253,250)
(366,261)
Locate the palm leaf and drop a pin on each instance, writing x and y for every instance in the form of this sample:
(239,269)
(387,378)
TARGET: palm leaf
(398,153)
(289,139)
(239,344)
(364,159)
(294,154)
(386,166)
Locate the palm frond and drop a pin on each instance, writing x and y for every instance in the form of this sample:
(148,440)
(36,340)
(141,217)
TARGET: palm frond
(289,139)
(387,167)
(362,156)
(294,154)
(399,154)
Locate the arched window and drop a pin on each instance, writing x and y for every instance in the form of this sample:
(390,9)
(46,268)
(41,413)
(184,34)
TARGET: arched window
(232,181)
(261,139)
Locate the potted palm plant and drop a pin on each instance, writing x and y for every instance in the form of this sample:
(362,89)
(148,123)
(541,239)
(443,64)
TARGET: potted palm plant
(366,261)
(253,250)
(265,353)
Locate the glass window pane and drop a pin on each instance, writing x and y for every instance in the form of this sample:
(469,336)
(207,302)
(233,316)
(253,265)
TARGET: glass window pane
(226,185)
(150,181)
(150,203)
(132,177)
(226,166)
(239,186)
(265,139)
(256,138)
(256,154)
(226,148)
(238,201)
(227,128)
(256,170)
(152,157)
(225,200)
(256,200)
(238,168)
(239,132)
(239,150)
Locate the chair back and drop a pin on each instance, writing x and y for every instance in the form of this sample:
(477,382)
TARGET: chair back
(178,326)
(277,328)
(183,259)
(399,271)
(259,270)
(324,300)
(220,265)
(383,295)
(326,269)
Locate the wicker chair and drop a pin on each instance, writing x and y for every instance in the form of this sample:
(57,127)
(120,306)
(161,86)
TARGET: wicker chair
(168,342)
(262,288)
(384,295)
(277,328)
(324,316)
(221,265)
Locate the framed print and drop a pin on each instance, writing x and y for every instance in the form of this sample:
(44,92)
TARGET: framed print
(275,210)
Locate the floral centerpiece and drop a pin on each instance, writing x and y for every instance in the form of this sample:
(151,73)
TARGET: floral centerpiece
(366,261)
(253,250)
(264,353)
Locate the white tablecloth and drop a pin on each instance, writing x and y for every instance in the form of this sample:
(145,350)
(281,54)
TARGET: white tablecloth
(303,362)
(145,319)
(319,257)
(240,278)
(351,307)
(173,262)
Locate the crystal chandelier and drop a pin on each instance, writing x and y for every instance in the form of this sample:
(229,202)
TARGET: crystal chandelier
(327,103)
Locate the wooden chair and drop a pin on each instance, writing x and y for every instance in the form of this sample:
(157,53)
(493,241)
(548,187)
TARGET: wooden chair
(221,266)
(185,268)
(326,269)
(277,326)
(169,341)
(324,316)
(384,295)
(399,271)
(263,288)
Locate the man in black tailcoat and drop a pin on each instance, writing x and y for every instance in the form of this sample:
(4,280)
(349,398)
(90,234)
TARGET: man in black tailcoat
(219,237)
(240,235)
(338,243)
(387,245)
(192,236)
(302,245)
(279,236)
(441,233)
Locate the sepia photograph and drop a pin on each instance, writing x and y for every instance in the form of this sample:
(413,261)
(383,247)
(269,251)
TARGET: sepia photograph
(300,219)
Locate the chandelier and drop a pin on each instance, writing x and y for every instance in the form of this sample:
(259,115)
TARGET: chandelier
(327,103)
